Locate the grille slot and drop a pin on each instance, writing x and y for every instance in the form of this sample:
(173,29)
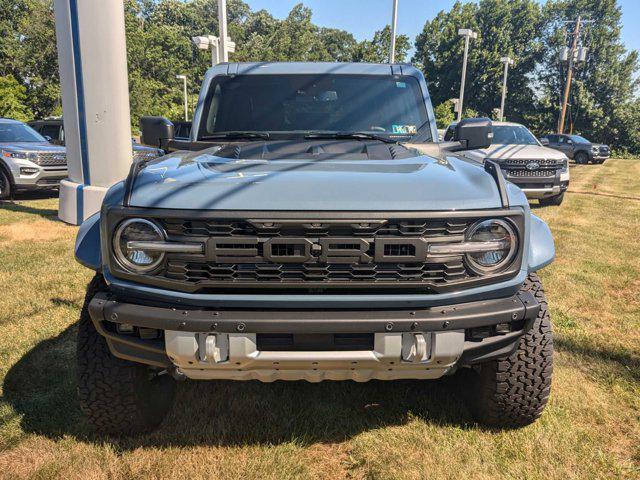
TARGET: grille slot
(433,273)
(50,159)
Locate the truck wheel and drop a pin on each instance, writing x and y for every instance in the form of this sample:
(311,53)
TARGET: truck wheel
(5,185)
(512,392)
(556,200)
(582,158)
(118,397)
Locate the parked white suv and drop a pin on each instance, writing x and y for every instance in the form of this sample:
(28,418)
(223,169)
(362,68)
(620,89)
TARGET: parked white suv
(541,172)
(27,160)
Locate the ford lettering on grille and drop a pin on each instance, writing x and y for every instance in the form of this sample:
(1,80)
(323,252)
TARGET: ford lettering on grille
(327,250)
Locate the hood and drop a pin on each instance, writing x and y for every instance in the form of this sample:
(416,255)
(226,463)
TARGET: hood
(211,180)
(31,146)
(501,152)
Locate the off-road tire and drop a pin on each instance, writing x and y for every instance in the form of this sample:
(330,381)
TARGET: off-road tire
(512,392)
(118,397)
(582,158)
(549,201)
(6,189)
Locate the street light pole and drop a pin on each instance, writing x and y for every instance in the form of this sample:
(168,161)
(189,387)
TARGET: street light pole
(184,84)
(222,30)
(468,34)
(394,21)
(507,61)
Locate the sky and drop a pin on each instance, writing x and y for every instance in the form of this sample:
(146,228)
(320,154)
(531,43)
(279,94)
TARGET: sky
(363,17)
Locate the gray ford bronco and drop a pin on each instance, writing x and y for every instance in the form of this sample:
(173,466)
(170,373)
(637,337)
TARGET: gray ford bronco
(313,228)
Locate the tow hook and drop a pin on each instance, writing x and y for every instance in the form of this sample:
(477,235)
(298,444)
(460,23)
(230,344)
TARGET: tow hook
(177,374)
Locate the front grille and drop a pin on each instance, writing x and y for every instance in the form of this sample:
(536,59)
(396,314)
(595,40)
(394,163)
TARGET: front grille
(432,273)
(351,253)
(243,228)
(317,254)
(523,162)
(50,159)
(531,173)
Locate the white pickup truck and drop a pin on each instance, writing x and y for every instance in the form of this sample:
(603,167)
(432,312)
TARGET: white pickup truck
(541,172)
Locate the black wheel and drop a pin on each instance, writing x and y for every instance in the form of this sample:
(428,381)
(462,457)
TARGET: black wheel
(5,185)
(582,158)
(556,200)
(512,392)
(118,397)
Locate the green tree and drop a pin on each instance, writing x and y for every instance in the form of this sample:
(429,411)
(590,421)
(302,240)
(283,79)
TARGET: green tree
(13,99)
(444,114)
(377,49)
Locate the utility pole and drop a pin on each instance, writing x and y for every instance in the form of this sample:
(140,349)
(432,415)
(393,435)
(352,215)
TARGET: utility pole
(468,34)
(184,84)
(222,30)
(394,21)
(507,61)
(567,88)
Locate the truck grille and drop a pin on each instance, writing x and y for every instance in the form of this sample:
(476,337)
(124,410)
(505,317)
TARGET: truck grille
(280,253)
(436,273)
(242,228)
(531,173)
(50,159)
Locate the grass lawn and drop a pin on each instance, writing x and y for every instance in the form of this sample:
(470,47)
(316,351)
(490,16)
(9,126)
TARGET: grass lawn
(591,428)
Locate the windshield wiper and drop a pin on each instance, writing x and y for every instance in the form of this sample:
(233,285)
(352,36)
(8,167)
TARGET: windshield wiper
(236,134)
(350,135)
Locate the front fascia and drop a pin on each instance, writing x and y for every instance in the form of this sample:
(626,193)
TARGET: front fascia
(128,287)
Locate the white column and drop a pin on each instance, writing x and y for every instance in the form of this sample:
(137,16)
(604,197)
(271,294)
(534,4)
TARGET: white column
(92,59)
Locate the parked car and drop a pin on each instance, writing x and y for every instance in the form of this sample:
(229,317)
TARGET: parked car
(542,173)
(53,130)
(320,232)
(27,160)
(576,147)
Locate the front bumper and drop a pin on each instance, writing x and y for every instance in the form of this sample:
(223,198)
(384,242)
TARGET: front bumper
(542,187)
(226,344)
(43,178)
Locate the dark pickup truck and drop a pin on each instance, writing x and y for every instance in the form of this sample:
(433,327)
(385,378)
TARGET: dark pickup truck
(577,147)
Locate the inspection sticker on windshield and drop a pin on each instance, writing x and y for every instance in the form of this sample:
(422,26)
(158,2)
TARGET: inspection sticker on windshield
(401,85)
(404,129)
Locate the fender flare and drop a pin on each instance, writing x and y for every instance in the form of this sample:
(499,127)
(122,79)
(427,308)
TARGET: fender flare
(87,249)
(541,245)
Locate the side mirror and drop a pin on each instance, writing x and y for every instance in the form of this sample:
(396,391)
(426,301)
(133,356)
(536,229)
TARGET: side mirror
(156,131)
(570,142)
(474,133)
(544,142)
(48,138)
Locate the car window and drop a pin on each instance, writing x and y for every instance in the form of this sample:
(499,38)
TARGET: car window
(19,132)
(52,131)
(513,135)
(579,139)
(328,103)
(450,133)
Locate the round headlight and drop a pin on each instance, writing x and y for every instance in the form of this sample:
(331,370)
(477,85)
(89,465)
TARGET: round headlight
(132,258)
(499,232)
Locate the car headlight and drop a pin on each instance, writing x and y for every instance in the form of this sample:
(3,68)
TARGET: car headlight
(132,257)
(502,244)
(16,155)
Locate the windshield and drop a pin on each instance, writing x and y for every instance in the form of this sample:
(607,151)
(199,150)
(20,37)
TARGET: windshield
(513,135)
(578,139)
(384,105)
(18,132)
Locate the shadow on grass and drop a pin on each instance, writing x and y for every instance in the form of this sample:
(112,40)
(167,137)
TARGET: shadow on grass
(630,363)
(41,388)
(12,206)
